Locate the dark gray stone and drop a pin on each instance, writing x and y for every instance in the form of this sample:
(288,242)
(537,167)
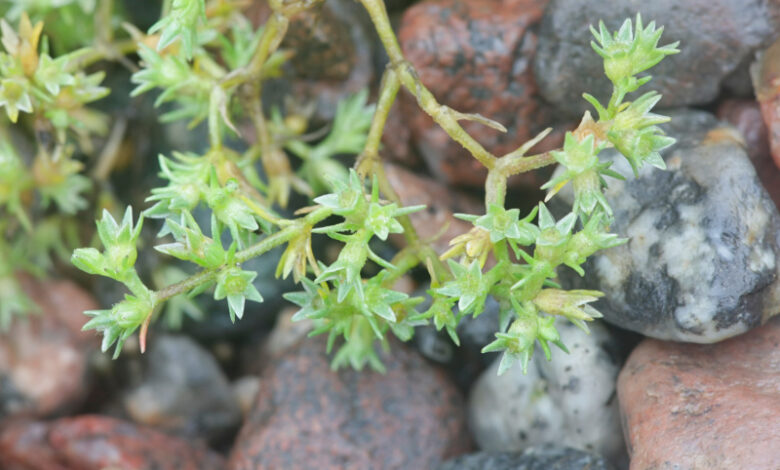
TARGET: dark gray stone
(570,398)
(464,362)
(701,264)
(183,391)
(536,458)
(716,37)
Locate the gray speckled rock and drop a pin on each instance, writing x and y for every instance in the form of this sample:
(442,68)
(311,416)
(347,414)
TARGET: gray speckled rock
(536,458)
(183,391)
(716,37)
(570,399)
(702,261)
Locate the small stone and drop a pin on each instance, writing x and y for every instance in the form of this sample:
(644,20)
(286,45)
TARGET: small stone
(570,399)
(746,116)
(465,362)
(93,442)
(766,77)
(307,416)
(535,458)
(44,356)
(474,56)
(704,407)
(701,263)
(441,203)
(286,333)
(333,56)
(24,445)
(245,390)
(727,33)
(183,391)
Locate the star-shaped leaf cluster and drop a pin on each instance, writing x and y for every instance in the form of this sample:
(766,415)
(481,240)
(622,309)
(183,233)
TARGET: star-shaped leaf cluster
(630,51)
(119,322)
(519,341)
(236,285)
(181,23)
(635,133)
(189,88)
(117,261)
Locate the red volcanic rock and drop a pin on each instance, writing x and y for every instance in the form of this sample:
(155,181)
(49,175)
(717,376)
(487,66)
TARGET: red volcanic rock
(704,407)
(309,417)
(475,56)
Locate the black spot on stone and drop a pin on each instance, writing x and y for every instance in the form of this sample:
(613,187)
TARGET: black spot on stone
(10,396)
(650,300)
(668,218)
(480,93)
(655,249)
(539,424)
(573,385)
(748,310)
(687,192)
(522,435)
(458,63)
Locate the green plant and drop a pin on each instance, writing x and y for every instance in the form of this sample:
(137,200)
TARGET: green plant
(205,57)
(45,93)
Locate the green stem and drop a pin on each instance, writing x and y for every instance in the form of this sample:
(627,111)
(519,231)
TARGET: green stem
(511,165)
(369,158)
(215,131)
(442,115)
(495,188)
(266,244)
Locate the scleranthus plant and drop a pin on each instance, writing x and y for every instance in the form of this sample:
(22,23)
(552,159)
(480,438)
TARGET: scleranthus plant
(203,64)
(46,91)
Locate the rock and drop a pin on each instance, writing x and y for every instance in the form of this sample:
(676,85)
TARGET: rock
(570,399)
(92,442)
(731,30)
(701,264)
(746,116)
(286,334)
(397,146)
(464,362)
(333,55)
(475,56)
(440,202)
(766,78)
(183,391)
(697,407)
(24,446)
(307,416)
(97,442)
(44,356)
(245,390)
(535,458)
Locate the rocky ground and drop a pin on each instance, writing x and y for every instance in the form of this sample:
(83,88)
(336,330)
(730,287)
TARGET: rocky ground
(682,373)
